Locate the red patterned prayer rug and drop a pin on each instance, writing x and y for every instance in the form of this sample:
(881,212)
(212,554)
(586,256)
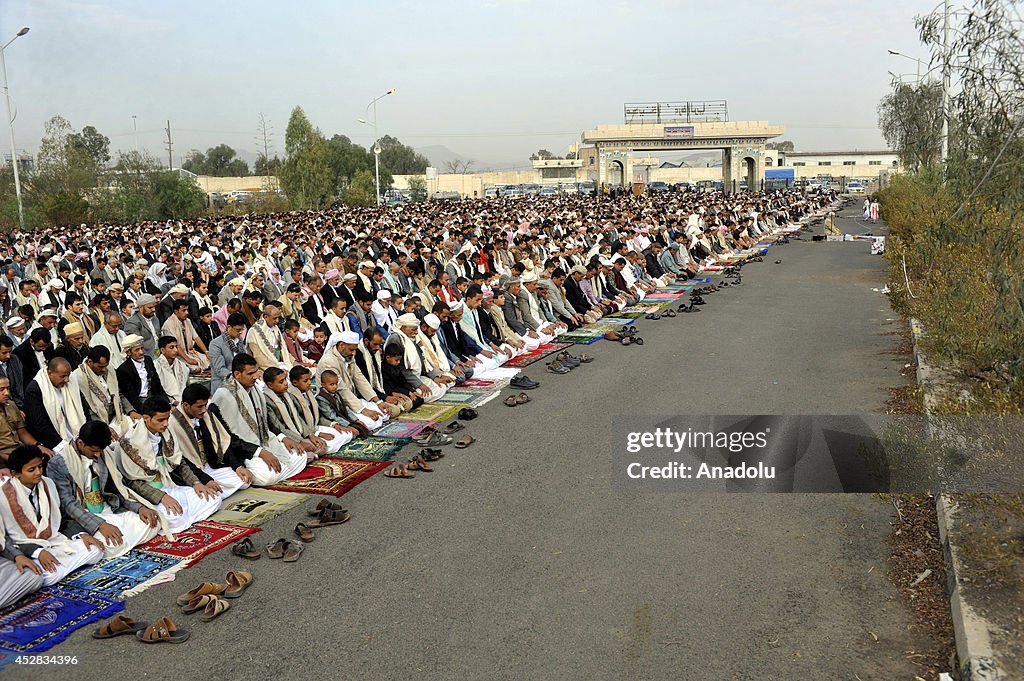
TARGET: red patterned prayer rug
(201,539)
(528,358)
(331,476)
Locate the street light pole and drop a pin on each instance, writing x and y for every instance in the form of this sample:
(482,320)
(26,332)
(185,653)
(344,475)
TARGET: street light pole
(907,56)
(10,127)
(135,131)
(376,140)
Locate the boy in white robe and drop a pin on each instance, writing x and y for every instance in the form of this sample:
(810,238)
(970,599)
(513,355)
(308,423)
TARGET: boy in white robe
(154,473)
(88,499)
(19,575)
(244,410)
(30,509)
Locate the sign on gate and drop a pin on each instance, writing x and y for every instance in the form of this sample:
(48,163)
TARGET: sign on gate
(681,131)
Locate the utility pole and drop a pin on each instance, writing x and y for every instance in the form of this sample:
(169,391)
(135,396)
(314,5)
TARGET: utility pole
(945,85)
(170,147)
(135,131)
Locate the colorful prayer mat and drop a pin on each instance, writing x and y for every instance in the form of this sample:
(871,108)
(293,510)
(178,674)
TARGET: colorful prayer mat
(464,398)
(435,412)
(528,358)
(42,620)
(484,386)
(478,383)
(115,577)
(201,539)
(399,428)
(255,506)
(330,476)
(372,448)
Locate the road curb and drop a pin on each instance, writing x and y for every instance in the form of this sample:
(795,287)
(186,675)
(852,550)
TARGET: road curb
(971,630)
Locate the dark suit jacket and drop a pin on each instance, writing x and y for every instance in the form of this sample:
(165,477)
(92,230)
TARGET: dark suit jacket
(309,310)
(574,294)
(74,357)
(29,364)
(130,383)
(16,375)
(37,421)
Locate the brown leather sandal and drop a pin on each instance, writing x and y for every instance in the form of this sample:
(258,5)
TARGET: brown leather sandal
(214,609)
(238,581)
(304,532)
(119,626)
(203,589)
(399,471)
(418,464)
(163,631)
(465,442)
(331,516)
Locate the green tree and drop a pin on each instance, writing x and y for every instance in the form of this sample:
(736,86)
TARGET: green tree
(63,166)
(781,145)
(400,159)
(66,209)
(177,195)
(263,166)
(541,154)
(218,161)
(418,188)
(360,192)
(306,174)
(90,142)
(910,118)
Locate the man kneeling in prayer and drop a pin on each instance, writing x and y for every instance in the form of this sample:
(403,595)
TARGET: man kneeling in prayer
(304,398)
(200,431)
(30,508)
(244,410)
(283,415)
(155,473)
(89,500)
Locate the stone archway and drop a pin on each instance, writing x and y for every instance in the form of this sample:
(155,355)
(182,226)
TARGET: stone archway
(750,165)
(616,173)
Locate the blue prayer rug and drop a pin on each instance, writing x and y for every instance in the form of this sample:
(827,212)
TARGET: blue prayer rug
(42,620)
(111,578)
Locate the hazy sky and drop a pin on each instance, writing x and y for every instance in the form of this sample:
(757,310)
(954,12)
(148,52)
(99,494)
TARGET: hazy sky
(492,81)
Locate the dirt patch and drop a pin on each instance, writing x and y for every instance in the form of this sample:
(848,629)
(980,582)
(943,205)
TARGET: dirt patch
(989,534)
(917,568)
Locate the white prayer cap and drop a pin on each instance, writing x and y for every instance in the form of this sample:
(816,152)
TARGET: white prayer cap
(349,277)
(73,329)
(433,321)
(578,269)
(179,289)
(348,337)
(528,277)
(55,283)
(456,306)
(467,248)
(383,294)
(15,322)
(115,287)
(146,299)
(131,340)
(366,263)
(407,319)
(48,313)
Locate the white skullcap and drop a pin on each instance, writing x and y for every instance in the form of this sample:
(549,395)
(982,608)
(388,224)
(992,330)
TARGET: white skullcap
(348,337)
(383,294)
(15,322)
(456,306)
(433,321)
(528,277)
(407,319)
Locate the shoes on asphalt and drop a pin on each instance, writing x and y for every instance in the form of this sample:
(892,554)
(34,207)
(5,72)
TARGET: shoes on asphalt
(557,368)
(524,382)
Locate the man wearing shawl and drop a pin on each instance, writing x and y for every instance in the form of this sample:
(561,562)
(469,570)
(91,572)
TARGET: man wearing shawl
(111,337)
(265,342)
(204,438)
(97,387)
(191,350)
(154,473)
(30,512)
(53,409)
(89,501)
(431,384)
(244,409)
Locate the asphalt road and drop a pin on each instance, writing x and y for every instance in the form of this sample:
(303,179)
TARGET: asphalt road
(515,559)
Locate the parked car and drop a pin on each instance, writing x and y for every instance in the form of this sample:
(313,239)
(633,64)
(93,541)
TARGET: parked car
(548,191)
(531,189)
(658,187)
(569,188)
(854,187)
(589,188)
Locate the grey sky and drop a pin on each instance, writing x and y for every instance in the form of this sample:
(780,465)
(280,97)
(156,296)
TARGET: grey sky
(492,81)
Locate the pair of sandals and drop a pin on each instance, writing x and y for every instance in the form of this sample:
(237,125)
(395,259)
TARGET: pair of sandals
(516,400)
(683,307)
(327,514)
(164,630)
(632,340)
(430,437)
(285,549)
(652,316)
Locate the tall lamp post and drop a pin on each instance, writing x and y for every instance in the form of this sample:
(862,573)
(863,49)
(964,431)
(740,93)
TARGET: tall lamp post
(10,126)
(907,56)
(376,139)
